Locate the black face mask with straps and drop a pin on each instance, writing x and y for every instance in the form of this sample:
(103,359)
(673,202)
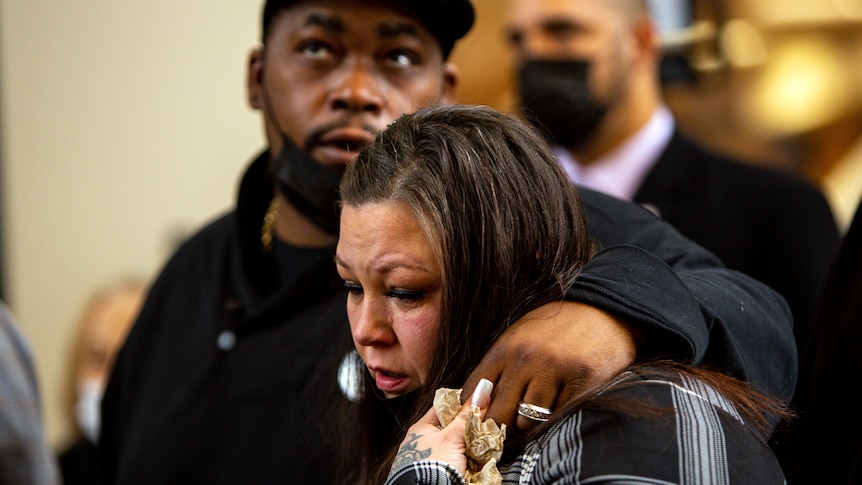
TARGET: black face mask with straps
(309,186)
(556,97)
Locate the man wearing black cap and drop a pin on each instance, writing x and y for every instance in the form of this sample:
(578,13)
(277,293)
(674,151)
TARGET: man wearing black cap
(229,373)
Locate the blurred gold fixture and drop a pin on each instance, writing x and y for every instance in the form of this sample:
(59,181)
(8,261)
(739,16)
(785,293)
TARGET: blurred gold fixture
(743,44)
(803,86)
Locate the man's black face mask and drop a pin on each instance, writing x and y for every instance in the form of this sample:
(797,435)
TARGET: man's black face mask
(555,95)
(309,186)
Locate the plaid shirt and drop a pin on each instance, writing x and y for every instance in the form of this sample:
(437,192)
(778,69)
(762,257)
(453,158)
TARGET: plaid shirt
(701,439)
(25,458)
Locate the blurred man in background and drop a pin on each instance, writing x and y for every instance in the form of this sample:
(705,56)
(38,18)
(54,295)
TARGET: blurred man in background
(588,73)
(105,320)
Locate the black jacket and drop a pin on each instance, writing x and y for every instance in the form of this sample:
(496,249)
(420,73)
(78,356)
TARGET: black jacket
(226,377)
(79,463)
(828,439)
(767,223)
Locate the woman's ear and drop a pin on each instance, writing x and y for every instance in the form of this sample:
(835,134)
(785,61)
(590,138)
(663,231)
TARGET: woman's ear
(254,78)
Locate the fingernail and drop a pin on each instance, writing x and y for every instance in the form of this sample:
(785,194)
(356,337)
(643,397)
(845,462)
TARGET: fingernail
(482,394)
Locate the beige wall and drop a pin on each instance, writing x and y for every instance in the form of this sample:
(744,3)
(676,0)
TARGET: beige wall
(124,125)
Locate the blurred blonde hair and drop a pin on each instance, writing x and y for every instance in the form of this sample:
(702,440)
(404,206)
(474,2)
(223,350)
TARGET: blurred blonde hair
(120,286)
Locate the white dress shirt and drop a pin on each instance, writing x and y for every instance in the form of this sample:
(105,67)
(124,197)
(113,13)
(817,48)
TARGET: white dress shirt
(622,170)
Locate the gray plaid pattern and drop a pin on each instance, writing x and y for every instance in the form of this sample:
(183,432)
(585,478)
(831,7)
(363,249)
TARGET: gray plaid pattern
(25,458)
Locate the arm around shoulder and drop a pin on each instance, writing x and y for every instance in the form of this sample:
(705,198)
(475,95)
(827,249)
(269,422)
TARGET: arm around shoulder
(682,301)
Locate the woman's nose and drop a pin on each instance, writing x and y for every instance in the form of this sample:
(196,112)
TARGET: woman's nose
(370,324)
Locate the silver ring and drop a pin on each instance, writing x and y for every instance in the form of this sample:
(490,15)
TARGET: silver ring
(536,413)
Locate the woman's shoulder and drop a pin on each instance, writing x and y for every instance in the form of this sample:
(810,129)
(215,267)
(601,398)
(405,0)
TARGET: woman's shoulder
(666,389)
(653,424)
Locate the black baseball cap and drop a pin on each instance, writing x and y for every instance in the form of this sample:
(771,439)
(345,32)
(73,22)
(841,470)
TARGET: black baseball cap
(446,20)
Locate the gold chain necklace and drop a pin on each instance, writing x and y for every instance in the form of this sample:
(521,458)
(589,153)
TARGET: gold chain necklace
(267,230)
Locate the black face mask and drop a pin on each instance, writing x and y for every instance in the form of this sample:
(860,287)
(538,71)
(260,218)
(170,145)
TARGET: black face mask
(555,96)
(309,186)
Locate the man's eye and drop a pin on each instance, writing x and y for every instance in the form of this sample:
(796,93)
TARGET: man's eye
(406,295)
(315,50)
(402,59)
(563,32)
(515,39)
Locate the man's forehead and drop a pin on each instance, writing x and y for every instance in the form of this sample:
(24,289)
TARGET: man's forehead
(340,21)
(549,13)
(445,21)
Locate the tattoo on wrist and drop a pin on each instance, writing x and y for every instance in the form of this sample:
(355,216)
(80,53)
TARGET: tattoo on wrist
(409,454)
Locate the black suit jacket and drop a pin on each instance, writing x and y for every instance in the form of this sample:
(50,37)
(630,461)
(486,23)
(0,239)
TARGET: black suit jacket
(767,223)
(79,463)
(829,437)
